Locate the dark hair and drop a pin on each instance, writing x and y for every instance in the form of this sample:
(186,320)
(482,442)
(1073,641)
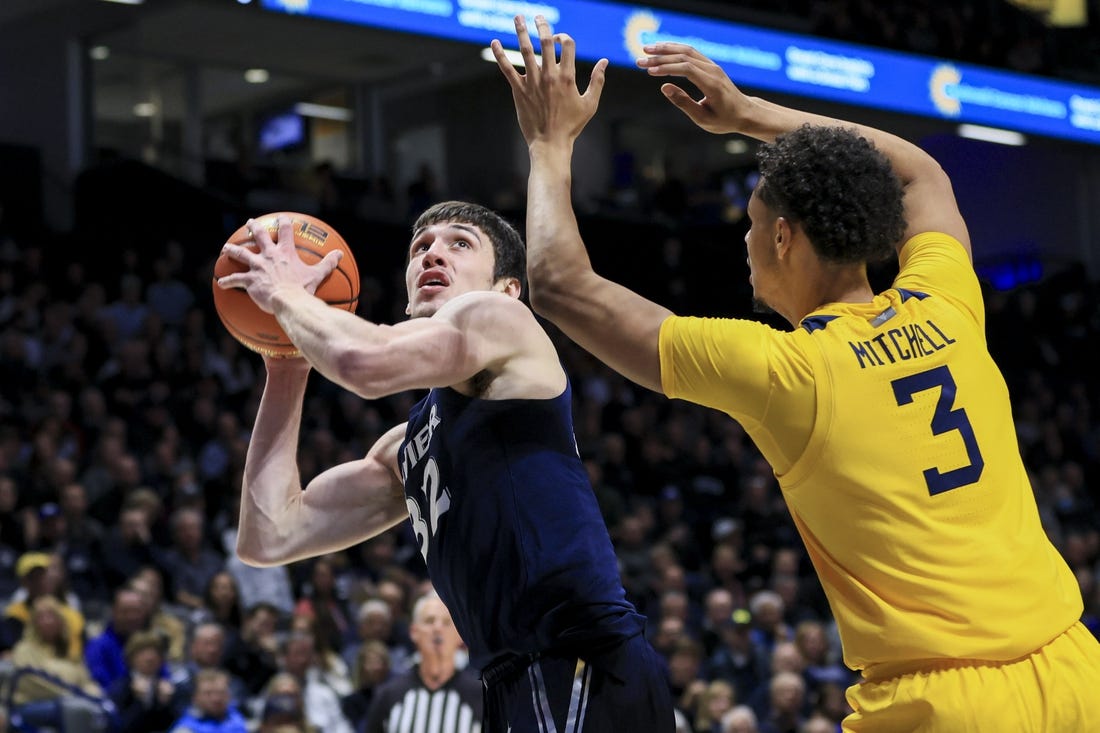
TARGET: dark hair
(838,187)
(509,252)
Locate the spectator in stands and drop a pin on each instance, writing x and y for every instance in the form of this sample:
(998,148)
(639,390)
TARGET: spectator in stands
(165,621)
(212,709)
(785,713)
(221,604)
(190,563)
(45,646)
(328,666)
(83,545)
(371,669)
(284,704)
(717,700)
(168,296)
(768,626)
(106,653)
(253,657)
(685,667)
(39,575)
(322,702)
(124,318)
(741,719)
(821,666)
(128,545)
(143,695)
(12,515)
(735,659)
(785,658)
(718,610)
(322,601)
(375,622)
(206,651)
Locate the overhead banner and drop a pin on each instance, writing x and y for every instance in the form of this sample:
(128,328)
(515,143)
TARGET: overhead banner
(753,57)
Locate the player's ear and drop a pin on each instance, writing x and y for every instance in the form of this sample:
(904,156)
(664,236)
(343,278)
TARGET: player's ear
(783,236)
(510,286)
(408,309)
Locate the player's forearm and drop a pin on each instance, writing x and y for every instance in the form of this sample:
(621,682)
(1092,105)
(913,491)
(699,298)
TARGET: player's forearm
(557,261)
(271,488)
(764,120)
(330,339)
(619,327)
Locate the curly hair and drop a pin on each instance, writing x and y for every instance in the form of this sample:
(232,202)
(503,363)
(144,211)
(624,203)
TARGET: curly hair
(838,187)
(509,252)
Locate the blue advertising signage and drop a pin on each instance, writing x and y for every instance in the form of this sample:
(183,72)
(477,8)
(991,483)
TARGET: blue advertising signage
(753,57)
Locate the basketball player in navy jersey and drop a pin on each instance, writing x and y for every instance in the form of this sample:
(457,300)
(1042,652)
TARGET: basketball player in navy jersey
(486,469)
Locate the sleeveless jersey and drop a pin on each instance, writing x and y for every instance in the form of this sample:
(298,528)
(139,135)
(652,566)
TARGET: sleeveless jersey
(509,526)
(891,433)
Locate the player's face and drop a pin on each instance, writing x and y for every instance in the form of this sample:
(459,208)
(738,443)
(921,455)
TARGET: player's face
(760,244)
(446,260)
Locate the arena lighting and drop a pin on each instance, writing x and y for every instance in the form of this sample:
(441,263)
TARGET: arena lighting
(126,2)
(736,146)
(514,56)
(992,135)
(323,111)
(145,109)
(256,76)
(99,53)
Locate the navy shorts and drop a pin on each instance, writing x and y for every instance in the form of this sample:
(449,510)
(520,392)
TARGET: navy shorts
(623,689)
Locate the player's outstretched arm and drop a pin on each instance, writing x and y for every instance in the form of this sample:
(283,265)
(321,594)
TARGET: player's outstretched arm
(615,324)
(473,332)
(281,523)
(929,199)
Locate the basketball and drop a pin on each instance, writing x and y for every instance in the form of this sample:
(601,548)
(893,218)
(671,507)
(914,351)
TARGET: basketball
(313,239)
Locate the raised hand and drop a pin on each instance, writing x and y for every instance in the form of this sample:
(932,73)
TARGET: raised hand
(274,265)
(722,108)
(548,104)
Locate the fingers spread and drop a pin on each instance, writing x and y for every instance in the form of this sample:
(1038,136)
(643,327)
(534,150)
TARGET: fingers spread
(286,230)
(505,64)
(236,280)
(596,82)
(546,41)
(239,253)
(526,49)
(330,261)
(568,49)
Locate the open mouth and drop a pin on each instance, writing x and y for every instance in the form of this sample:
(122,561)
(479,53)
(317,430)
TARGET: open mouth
(432,279)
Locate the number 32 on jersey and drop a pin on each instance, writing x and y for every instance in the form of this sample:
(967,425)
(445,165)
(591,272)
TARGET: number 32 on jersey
(439,501)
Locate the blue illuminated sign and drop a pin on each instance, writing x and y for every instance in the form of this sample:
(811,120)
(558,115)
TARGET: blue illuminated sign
(753,57)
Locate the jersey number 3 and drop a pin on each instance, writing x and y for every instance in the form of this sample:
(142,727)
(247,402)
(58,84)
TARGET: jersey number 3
(944,420)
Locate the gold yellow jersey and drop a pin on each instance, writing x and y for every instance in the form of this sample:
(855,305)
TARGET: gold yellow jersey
(890,430)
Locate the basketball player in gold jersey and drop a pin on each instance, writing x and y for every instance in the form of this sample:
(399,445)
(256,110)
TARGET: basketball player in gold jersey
(887,423)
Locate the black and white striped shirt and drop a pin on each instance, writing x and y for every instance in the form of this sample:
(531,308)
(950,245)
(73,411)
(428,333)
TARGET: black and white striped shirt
(405,705)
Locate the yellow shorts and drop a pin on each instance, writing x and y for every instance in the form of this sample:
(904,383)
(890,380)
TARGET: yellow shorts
(1054,690)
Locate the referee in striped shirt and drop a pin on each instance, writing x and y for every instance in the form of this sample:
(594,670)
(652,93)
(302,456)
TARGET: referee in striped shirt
(434,696)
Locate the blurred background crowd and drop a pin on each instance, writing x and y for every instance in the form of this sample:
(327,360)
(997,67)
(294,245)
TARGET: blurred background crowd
(125,410)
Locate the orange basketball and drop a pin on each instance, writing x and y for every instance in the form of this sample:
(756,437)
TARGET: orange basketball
(313,239)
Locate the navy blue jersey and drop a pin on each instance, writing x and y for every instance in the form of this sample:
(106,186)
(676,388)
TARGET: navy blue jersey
(509,526)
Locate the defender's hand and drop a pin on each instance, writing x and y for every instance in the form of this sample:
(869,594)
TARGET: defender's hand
(722,108)
(548,103)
